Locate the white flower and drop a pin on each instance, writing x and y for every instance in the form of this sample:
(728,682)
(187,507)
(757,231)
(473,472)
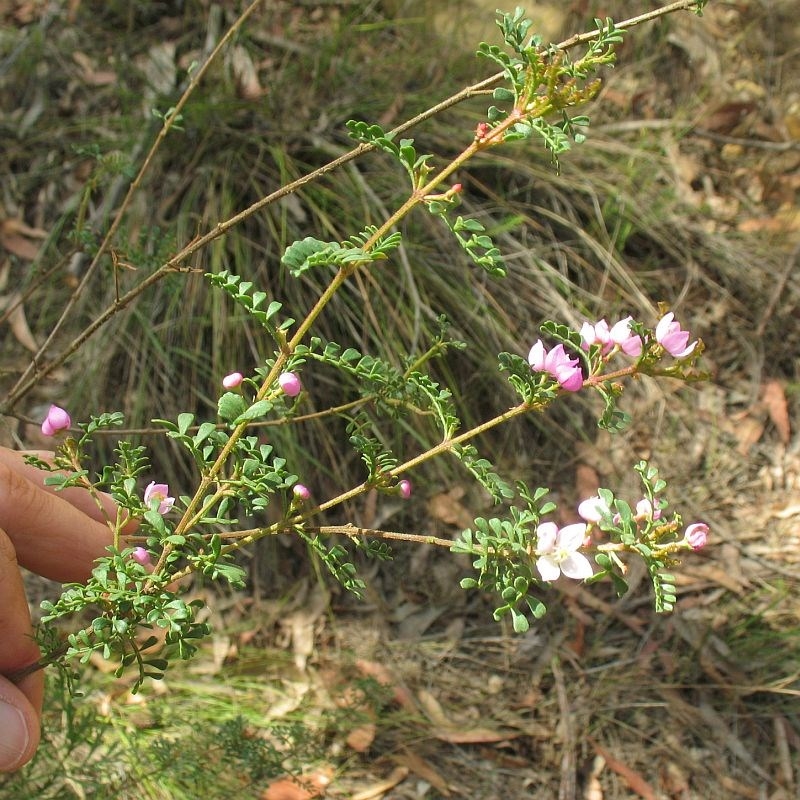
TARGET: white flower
(558,552)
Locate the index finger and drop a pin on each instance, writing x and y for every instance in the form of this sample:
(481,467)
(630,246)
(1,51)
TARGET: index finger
(79,498)
(51,536)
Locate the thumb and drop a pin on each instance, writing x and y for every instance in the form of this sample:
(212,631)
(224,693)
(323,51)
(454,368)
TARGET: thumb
(19,727)
(19,704)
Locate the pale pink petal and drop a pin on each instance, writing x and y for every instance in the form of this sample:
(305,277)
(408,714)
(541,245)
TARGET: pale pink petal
(56,420)
(576,566)
(588,335)
(141,556)
(571,537)
(569,378)
(697,535)
(548,568)
(644,508)
(536,356)
(546,535)
(301,492)
(290,383)
(632,346)
(620,331)
(685,351)
(233,380)
(663,326)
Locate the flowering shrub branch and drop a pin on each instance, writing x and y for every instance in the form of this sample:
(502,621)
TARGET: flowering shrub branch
(516,553)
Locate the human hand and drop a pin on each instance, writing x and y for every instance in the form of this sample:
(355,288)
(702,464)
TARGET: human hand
(58,536)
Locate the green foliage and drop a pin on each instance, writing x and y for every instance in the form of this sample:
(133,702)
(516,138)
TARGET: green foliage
(242,293)
(394,392)
(337,560)
(483,471)
(530,386)
(117,585)
(75,752)
(473,239)
(504,557)
(417,167)
(375,455)
(541,80)
(612,419)
(309,252)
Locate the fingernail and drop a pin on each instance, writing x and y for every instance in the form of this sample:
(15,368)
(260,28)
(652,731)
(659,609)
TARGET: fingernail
(14,736)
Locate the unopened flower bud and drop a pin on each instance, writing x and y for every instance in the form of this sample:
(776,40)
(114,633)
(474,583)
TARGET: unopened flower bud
(593,509)
(141,556)
(56,420)
(696,535)
(405,489)
(233,380)
(301,492)
(290,384)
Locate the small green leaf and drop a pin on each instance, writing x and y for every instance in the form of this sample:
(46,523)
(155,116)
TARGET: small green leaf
(255,411)
(519,621)
(230,406)
(296,256)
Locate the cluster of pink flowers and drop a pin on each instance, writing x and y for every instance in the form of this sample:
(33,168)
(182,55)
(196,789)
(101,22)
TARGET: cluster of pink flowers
(558,364)
(593,509)
(620,336)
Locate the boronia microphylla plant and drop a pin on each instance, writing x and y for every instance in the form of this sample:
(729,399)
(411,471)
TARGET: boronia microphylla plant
(159,538)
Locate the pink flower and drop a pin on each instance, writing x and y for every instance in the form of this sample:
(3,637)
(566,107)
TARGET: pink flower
(56,420)
(644,510)
(405,489)
(290,383)
(557,363)
(141,556)
(558,552)
(696,535)
(159,492)
(598,333)
(233,380)
(301,492)
(670,336)
(593,509)
(623,337)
